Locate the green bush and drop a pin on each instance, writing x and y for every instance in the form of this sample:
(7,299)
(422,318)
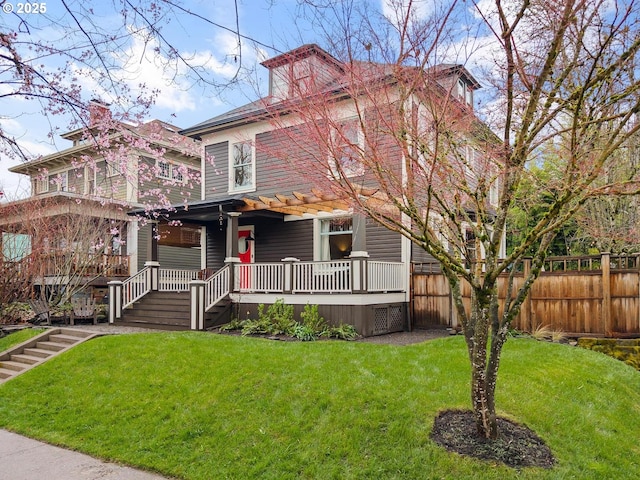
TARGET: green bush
(278,319)
(279,316)
(304,333)
(311,318)
(344,331)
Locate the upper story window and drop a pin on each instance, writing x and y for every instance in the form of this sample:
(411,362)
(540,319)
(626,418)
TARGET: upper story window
(41,184)
(112,169)
(62,181)
(169,171)
(242,167)
(347,151)
(465,92)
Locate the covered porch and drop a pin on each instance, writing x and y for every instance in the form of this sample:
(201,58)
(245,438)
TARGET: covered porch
(258,252)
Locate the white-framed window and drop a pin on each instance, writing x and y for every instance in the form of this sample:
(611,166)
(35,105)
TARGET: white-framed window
(41,184)
(164,169)
(90,180)
(242,167)
(112,169)
(336,238)
(169,171)
(348,147)
(465,92)
(61,180)
(494,192)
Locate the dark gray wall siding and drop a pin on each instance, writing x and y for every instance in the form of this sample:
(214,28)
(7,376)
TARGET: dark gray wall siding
(179,257)
(216,178)
(274,175)
(382,243)
(216,250)
(144,234)
(418,255)
(276,239)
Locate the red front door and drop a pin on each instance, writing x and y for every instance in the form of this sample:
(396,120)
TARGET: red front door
(246,254)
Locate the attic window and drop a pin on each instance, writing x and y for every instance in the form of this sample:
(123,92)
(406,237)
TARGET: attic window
(465,93)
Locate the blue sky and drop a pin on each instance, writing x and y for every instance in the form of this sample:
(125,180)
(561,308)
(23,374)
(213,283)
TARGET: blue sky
(210,43)
(271,22)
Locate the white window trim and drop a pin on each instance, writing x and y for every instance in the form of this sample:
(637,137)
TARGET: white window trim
(318,235)
(41,184)
(251,187)
(356,171)
(173,174)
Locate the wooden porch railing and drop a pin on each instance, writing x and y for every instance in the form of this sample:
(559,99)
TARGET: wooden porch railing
(176,280)
(216,287)
(136,287)
(385,276)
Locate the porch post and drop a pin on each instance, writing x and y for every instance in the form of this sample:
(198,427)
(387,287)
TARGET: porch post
(115,300)
(153,242)
(359,256)
(233,257)
(153,275)
(196,305)
(287,281)
(359,239)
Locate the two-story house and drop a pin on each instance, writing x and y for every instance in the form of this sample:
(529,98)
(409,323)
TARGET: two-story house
(273,231)
(74,232)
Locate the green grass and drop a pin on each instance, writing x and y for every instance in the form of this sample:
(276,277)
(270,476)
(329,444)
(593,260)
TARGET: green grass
(18,337)
(203,406)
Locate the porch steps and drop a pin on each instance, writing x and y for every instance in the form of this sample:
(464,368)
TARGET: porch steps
(160,310)
(219,314)
(39,349)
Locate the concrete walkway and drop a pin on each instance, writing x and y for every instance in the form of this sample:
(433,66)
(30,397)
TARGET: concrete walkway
(22,458)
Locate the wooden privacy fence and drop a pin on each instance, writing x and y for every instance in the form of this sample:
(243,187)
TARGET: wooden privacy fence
(589,295)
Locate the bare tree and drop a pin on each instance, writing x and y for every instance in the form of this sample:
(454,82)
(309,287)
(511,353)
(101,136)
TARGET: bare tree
(54,247)
(561,75)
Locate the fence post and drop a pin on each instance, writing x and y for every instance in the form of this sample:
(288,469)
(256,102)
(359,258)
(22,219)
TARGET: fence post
(115,300)
(525,310)
(196,305)
(606,292)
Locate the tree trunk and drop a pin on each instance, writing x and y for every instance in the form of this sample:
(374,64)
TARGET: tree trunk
(483,369)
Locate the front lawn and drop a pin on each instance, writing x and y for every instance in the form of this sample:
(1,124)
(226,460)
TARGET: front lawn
(18,337)
(203,406)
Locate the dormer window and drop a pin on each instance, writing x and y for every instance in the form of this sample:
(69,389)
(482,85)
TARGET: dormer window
(301,71)
(465,92)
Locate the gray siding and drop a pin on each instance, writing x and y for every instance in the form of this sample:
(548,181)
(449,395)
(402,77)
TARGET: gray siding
(276,239)
(179,257)
(216,250)
(178,192)
(144,236)
(216,177)
(418,255)
(274,175)
(382,243)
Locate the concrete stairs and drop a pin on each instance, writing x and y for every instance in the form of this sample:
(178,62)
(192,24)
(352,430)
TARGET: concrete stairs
(39,349)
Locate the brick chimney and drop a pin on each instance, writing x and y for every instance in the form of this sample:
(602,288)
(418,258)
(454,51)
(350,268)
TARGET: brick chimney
(98,112)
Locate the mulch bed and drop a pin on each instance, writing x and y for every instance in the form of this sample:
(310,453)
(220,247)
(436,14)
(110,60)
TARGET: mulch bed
(517,446)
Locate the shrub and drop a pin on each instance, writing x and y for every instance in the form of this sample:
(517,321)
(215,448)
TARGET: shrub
(311,318)
(279,316)
(344,331)
(304,333)
(234,324)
